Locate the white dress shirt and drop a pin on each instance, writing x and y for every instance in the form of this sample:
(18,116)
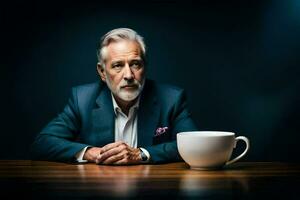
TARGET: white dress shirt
(125,128)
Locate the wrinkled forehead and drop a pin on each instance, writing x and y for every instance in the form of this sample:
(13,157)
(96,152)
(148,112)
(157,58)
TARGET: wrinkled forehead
(123,49)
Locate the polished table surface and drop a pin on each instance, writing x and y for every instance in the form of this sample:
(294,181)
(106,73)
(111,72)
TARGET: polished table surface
(52,180)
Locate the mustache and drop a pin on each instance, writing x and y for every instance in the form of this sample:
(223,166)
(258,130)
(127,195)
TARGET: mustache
(130,85)
(135,83)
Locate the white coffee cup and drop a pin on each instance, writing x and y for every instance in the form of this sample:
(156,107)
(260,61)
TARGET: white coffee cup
(207,150)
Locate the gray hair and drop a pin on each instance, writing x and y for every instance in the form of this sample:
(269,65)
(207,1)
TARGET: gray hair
(116,35)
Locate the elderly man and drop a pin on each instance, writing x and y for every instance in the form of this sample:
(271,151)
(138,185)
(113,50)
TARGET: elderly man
(123,119)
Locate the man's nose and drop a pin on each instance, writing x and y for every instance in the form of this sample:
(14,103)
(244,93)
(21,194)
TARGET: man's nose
(128,75)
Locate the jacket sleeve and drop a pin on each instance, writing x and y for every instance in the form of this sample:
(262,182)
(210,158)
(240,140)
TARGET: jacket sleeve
(180,121)
(57,141)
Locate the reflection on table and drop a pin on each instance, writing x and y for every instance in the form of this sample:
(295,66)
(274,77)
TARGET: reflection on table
(52,180)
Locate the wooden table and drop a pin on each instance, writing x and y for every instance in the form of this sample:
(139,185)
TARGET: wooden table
(51,180)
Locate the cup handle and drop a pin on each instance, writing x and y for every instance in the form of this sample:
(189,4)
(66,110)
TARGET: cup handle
(242,154)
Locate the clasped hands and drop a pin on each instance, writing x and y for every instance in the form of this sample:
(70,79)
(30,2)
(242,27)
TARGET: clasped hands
(117,153)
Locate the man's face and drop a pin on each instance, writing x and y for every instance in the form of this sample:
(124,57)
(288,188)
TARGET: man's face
(124,69)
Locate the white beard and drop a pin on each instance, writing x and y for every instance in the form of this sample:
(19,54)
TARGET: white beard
(126,95)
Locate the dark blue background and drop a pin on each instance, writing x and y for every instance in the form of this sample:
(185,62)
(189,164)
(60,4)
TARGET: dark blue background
(238,60)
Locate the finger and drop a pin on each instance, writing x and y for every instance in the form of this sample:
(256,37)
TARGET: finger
(107,154)
(131,156)
(111,152)
(114,158)
(110,146)
(123,161)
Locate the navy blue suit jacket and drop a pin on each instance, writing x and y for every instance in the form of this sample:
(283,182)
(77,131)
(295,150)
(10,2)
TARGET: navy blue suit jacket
(88,120)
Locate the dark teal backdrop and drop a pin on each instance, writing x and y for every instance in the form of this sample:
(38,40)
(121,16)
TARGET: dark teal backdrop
(238,60)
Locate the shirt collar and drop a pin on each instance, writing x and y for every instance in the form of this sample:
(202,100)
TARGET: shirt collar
(118,109)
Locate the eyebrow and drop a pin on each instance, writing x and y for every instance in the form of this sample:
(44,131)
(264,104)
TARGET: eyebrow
(136,59)
(117,61)
(122,61)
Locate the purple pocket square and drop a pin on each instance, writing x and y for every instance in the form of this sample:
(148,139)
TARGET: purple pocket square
(161,130)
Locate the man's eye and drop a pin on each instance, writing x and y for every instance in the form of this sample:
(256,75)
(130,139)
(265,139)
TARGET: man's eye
(117,66)
(136,65)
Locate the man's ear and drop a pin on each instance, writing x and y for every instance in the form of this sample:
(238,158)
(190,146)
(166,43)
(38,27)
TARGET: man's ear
(101,72)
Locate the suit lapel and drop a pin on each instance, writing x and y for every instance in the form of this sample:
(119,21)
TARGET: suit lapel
(103,118)
(148,116)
